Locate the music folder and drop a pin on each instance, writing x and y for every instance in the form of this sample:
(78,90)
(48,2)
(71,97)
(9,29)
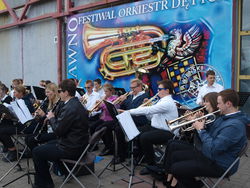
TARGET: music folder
(128,125)
(8,113)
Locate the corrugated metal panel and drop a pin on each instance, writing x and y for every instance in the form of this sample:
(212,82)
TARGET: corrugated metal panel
(5,19)
(39,51)
(10,63)
(81,2)
(42,8)
(15,3)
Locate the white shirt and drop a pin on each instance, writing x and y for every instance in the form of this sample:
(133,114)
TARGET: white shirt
(161,112)
(205,89)
(101,92)
(138,94)
(78,95)
(91,99)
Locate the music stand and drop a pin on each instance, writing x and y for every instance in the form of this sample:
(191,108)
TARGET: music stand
(39,92)
(113,112)
(119,91)
(8,114)
(81,91)
(130,130)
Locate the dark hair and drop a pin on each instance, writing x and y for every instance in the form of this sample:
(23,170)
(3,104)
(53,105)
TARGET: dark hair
(68,85)
(210,72)
(47,82)
(212,99)
(98,80)
(231,96)
(4,88)
(167,84)
(90,81)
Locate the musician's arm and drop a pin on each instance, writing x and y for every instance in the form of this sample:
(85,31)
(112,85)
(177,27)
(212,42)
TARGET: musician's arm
(227,137)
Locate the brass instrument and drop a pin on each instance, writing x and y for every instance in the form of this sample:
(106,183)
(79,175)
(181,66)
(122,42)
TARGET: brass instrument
(84,99)
(124,48)
(211,117)
(184,116)
(153,100)
(118,100)
(95,106)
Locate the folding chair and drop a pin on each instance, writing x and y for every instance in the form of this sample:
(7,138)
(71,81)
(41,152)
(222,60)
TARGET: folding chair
(209,183)
(85,159)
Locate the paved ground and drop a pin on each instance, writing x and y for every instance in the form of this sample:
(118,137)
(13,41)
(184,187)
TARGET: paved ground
(240,180)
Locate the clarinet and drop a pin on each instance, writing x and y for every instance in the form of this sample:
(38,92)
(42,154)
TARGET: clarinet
(45,122)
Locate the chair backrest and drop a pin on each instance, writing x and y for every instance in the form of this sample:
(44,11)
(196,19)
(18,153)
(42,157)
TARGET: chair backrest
(97,136)
(243,150)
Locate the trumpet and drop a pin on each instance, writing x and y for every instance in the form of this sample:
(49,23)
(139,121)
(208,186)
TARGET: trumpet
(151,101)
(211,117)
(84,99)
(119,100)
(184,116)
(95,106)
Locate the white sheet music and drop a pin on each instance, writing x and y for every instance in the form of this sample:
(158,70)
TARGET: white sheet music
(128,125)
(21,110)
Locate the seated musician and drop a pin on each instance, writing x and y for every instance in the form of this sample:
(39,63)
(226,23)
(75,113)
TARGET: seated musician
(98,87)
(89,99)
(8,129)
(105,120)
(71,128)
(158,132)
(51,103)
(131,101)
(220,145)
(5,98)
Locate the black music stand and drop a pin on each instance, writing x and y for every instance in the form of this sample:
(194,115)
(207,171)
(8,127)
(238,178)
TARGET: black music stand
(113,112)
(39,92)
(81,91)
(119,91)
(132,166)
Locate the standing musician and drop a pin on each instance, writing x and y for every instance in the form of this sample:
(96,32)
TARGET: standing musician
(6,130)
(158,132)
(51,103)
(89,99)
(105,120)
(211,86)
(221,143)
(71,128)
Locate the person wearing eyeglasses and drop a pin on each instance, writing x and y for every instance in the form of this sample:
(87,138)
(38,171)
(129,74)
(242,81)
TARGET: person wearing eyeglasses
(158,132)
(90,98)
(71,128)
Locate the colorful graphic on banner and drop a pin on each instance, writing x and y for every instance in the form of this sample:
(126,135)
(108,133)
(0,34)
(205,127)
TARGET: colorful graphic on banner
(2,5)
(166,38)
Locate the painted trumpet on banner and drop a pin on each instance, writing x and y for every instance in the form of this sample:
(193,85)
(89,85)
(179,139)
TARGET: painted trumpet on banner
(211,117)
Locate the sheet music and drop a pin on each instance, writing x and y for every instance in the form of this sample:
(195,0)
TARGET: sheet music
(128,125)
(21,111)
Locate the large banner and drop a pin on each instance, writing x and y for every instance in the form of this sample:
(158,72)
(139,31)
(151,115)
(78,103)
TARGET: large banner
(166,39)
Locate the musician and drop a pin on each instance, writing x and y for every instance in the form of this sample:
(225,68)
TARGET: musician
(71,128)
(91,97)
(106,120)
(220,145)
(158,132)
(211,86)
(15,82)
(3,94)
(51,103)
(11,128)
(98,87)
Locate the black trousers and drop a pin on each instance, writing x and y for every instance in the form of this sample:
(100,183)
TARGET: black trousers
(108,136)
(49,152)
(150,136)
(7,130)
(32,142)
(186,163)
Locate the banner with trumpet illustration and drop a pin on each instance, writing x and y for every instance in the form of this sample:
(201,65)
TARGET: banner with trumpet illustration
(153,40)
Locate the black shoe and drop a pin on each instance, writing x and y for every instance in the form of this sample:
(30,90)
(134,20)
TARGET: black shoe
(44,186)
(106,152)
(156,169)
(11,156)
(144,171)
(117,160)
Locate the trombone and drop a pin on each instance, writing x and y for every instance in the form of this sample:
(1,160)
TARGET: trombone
(211,117)
(151,101)
(184,116)
(95,106)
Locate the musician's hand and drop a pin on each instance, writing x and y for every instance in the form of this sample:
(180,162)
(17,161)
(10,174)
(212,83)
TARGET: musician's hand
(198,125)
(50,115)
(145,100)
(120,111)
